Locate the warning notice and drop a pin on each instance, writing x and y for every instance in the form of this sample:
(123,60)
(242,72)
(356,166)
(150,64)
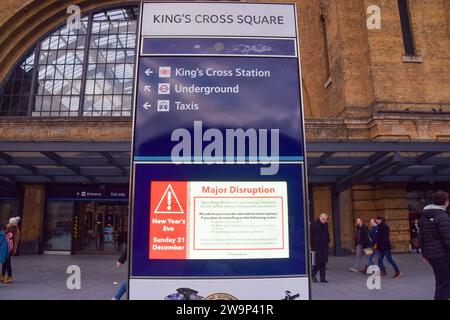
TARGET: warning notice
(218,220)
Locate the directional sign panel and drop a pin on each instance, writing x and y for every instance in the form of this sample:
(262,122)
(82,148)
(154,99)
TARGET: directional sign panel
(218,174)
(221,92)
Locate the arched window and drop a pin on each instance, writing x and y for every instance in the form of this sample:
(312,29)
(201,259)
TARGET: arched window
(407,32)
(78,72)
(15,91)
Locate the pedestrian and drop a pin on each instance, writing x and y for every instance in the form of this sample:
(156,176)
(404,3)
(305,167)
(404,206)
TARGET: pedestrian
(120,239)
(434,237)
(372,242)
(414,236)
(361,243)
(320,239)
(4,248)
(123,286)
(12,235)
(384,248)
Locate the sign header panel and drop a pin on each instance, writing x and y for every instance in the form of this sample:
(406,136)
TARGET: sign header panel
(219,20)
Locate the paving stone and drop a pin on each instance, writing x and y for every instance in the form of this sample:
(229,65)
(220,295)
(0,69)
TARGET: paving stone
(44,277)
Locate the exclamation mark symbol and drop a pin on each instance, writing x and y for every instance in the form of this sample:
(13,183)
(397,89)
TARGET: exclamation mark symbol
(169,200)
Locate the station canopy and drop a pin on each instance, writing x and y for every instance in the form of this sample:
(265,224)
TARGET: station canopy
(339,163)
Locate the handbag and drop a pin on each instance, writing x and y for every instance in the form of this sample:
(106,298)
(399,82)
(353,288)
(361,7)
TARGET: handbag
(369,251)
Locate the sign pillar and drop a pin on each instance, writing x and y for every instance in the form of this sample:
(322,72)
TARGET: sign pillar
(218,186)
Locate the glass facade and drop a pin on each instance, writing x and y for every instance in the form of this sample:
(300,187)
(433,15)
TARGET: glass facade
(15,91)
(77,72)
(8,208)
(59,224)
(101,227)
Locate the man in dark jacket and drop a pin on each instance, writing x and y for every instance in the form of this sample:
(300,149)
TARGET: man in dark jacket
(434,237)
(361,242)
(384,248)
(320,239)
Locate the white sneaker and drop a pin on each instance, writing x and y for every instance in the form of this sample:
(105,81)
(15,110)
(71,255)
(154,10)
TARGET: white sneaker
(353,270)
(113,298)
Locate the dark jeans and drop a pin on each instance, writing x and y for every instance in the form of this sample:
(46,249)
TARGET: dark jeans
(6,267)
(441,269)
(415,244)
(322,269)
(388,255)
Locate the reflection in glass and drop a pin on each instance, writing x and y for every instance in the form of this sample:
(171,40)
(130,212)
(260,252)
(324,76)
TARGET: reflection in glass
(59,226)
(8,209)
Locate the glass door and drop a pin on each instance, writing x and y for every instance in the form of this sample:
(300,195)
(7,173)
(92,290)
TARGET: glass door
(102,227)
(59,225)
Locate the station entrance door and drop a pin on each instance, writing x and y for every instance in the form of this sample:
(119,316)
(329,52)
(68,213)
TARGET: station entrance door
(100,227)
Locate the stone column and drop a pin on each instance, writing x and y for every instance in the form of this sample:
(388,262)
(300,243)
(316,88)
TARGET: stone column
(32,219)
(347,221)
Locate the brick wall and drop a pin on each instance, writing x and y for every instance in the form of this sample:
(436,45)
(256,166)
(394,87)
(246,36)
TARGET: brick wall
(389,201)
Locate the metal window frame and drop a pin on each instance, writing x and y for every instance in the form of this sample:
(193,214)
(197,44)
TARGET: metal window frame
(31,98)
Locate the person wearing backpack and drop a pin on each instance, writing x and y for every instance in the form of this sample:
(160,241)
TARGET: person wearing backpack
(12,236)
(434,238)
(4,249)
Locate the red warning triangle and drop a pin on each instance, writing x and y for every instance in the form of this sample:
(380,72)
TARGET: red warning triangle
(169,202)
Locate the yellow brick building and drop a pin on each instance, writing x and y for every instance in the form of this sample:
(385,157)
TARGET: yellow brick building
(376,91)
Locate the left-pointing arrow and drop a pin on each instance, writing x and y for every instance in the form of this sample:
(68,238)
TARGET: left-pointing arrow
(147,88)
(146,106)
(148,72)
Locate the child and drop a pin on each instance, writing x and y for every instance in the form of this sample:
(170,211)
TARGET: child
(12,236)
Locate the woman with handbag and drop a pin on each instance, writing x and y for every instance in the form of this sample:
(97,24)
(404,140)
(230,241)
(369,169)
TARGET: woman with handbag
(372,242)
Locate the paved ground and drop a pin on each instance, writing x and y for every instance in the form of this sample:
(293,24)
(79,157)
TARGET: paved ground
(44,277)
(417,282)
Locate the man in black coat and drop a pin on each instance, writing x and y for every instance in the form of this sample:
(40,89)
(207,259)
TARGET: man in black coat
(384,248)
(320,239)
(434,236)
